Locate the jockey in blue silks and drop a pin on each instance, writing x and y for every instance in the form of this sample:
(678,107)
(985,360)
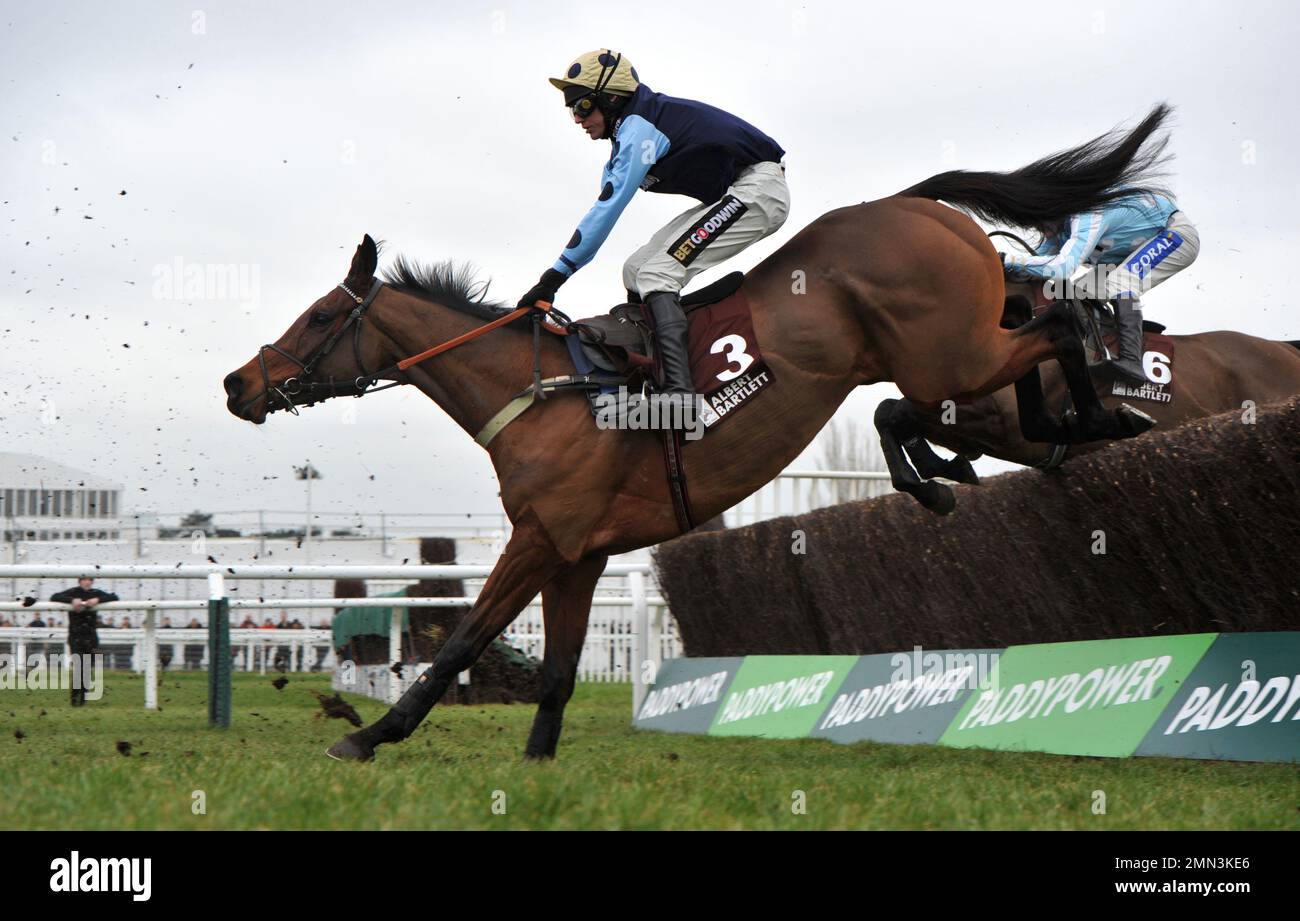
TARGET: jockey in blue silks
(1137,241)
(661,143)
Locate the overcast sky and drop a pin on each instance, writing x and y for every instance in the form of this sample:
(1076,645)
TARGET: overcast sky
(272,136)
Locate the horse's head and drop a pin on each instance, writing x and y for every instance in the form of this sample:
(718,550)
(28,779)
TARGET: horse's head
(327,352)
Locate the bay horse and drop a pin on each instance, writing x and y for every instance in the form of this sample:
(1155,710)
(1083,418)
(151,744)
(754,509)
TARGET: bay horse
(902,289)
(1214,372)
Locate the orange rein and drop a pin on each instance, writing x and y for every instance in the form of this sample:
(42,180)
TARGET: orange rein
(543,306)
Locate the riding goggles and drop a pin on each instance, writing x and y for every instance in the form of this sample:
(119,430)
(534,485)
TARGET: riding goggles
(583,107)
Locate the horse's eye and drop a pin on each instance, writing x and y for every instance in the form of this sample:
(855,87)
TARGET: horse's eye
(320,318)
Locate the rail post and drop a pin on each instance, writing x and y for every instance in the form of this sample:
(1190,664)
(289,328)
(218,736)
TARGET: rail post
(150,653)
(218,652)
(640,637)
(395,656)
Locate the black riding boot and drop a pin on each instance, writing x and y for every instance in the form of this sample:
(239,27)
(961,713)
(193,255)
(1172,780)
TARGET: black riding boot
(1128,365)
(670,338)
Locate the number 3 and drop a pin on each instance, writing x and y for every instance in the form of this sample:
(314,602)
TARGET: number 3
(734,346)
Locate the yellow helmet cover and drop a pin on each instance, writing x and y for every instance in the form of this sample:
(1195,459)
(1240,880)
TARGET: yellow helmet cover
(602,71)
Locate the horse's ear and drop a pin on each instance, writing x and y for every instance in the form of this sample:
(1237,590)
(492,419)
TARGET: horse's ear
(364,263)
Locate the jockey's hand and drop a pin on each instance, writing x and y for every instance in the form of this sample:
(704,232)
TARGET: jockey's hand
(545,289)
(1012,272)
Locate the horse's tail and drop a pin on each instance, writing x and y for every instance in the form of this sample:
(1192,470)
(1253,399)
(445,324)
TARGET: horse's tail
(1113,165)
(1294,343)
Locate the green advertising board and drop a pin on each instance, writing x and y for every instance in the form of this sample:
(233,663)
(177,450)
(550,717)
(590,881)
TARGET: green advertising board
(686,694)
(1206,695)
(1242,702)
(1090,698)
(779,697)
(907,698)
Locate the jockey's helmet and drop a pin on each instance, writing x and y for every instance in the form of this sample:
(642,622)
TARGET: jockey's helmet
(601,79)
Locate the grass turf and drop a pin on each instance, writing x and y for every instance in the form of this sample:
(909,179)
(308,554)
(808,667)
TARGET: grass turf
(62,769)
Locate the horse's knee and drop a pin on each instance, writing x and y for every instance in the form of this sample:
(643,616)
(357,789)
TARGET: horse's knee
(884,415)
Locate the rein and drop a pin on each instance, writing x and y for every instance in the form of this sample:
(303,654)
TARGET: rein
(1011,236)
(301,391)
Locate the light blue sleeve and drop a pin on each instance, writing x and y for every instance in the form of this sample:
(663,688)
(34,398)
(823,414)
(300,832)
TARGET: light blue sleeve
(1084,232)
(638,145)
(1050,244)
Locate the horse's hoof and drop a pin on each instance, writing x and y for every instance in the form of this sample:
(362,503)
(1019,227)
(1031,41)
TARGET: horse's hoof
(936,497)
(959,470)
(1132,420)
(350,748)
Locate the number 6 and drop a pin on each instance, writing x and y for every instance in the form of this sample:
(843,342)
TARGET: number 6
(1156,367)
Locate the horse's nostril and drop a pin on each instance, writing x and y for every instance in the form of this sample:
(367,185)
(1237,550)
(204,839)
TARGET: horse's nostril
(233,384)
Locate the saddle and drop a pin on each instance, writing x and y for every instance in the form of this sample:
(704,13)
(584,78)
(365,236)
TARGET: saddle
(622,341)
(608,352)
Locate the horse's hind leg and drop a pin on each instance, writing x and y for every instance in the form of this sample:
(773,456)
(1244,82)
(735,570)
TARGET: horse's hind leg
(934,496)
(566,605)
(528,563)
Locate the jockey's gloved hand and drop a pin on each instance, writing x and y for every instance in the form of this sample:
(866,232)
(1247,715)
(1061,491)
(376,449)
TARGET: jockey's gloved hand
(545,288)
(1013,272)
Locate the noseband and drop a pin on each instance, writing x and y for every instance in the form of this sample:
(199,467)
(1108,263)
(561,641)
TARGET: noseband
(302,390)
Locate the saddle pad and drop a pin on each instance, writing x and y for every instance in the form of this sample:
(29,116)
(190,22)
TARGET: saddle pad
(583,364)
(1157,362)
(726,364)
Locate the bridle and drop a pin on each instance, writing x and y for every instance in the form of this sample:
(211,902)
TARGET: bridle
(302,391)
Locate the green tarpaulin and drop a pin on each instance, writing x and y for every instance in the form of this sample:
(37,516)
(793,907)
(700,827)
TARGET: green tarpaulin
(367,621)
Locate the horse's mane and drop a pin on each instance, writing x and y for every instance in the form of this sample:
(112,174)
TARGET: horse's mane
(452,284)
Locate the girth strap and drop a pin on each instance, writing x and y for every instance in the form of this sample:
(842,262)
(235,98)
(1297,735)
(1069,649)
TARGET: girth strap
(525,398)
(677,479)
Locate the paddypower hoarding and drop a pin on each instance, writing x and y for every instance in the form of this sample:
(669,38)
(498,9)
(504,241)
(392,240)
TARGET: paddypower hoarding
(686,694)
(1222,696)
(1241,702)
(908,698)
(1090,698)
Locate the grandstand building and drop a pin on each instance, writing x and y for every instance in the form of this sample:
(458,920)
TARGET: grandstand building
(42,500)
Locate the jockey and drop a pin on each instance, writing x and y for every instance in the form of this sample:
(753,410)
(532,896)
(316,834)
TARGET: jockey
(664,144)
(1138,241)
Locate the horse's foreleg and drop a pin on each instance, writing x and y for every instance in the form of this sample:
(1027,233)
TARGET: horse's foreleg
(1054,333)
(934,496)
(1036,423)
(1094,422)
(566,605)
(528,563)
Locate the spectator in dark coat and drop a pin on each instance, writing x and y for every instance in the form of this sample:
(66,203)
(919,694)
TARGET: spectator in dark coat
(82,621)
